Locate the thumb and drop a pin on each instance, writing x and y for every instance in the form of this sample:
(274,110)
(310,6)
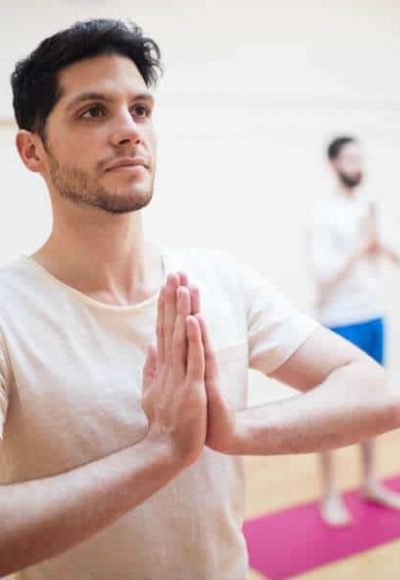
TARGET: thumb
(215,400)
(211,372)
(149,368)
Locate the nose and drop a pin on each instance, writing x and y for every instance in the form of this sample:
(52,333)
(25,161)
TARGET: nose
(126,131)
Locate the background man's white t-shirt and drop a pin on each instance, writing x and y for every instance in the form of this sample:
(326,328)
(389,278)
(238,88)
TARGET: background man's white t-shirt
(338,227)
(70,393)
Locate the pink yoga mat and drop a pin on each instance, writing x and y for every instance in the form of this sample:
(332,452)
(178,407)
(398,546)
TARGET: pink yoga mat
(295,540)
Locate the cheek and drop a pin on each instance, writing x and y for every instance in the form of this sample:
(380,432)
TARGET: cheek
(151,141)
(354,168)
(348,167)
(82,153)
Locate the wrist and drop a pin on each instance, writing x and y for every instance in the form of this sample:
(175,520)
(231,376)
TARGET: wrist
(160,448)
(232,441)
(239,444)
(173,456)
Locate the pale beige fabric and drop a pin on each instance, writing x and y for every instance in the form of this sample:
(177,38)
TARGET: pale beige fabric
(70,392)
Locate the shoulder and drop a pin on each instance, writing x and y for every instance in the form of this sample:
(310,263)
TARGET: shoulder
(11,275)
(19,282)
(220,271)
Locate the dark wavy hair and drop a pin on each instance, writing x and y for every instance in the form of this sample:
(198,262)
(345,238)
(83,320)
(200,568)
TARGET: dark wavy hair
(337,145)
(35,79)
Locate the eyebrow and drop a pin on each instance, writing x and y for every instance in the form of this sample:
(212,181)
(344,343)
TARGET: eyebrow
(93,96)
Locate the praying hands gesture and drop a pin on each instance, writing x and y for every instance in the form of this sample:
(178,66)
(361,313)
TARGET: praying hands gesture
(181,397)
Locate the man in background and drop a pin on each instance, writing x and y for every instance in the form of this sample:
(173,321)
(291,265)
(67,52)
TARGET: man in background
(345,248)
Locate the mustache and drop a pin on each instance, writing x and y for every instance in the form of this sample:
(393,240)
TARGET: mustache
(104,163)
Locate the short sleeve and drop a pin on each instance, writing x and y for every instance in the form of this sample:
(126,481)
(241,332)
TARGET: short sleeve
(275,328)
(4,380)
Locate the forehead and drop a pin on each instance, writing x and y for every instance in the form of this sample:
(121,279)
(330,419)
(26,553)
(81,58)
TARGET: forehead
(105,74)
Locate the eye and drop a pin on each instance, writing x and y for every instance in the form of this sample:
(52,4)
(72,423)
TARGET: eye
(93,112)
(141,111)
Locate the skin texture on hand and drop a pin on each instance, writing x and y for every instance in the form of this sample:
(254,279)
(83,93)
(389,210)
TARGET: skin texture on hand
(221,420)
(174,396)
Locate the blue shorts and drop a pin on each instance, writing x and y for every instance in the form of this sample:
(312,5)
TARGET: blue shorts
(369,336)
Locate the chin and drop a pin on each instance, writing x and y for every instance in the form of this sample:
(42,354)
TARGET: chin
(124,203)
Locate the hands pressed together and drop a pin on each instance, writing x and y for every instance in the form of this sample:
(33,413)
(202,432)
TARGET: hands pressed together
(371,247)
(181,396)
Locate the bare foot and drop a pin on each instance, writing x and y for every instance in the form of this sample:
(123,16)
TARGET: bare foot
(334,512)
(381,495)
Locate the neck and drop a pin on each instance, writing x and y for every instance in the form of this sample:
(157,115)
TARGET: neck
(102,255)
(346,191)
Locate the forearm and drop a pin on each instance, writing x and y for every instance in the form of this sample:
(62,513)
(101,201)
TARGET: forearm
(391,255)
(42,518)
(354,403)
(342,272)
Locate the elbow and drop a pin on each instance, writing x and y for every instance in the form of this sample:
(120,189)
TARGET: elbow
(384,399)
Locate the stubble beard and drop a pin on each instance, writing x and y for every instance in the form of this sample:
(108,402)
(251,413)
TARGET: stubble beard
(350,181)
(81,189)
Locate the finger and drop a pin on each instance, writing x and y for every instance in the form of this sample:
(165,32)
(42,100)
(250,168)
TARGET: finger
(149,368)
(194,299)
(183,301)
(211,370)
(169,313)
(183,279)
(194,292)
(195,360)
(160,328)
(179,340)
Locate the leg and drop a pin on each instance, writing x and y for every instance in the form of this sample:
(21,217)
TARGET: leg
(367,458)
(333,509)
(373,490)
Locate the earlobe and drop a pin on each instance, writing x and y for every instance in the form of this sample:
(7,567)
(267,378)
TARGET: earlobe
(29,151)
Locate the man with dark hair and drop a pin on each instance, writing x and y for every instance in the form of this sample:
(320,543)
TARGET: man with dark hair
(335,147)
(108,471)
(34,81)
(345,247)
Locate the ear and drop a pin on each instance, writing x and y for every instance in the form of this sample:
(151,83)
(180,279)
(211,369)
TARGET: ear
(333,164)
(30,149)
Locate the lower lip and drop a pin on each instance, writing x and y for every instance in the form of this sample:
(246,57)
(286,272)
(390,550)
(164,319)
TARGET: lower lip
(128,168)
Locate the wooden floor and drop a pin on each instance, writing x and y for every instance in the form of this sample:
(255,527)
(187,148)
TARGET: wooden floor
(278,482)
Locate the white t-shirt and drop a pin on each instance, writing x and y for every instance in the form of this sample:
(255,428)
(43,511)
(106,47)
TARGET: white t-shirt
(338,226)
(70,393)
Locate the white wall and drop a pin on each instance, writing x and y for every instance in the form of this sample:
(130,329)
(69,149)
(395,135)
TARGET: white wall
(252,93)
